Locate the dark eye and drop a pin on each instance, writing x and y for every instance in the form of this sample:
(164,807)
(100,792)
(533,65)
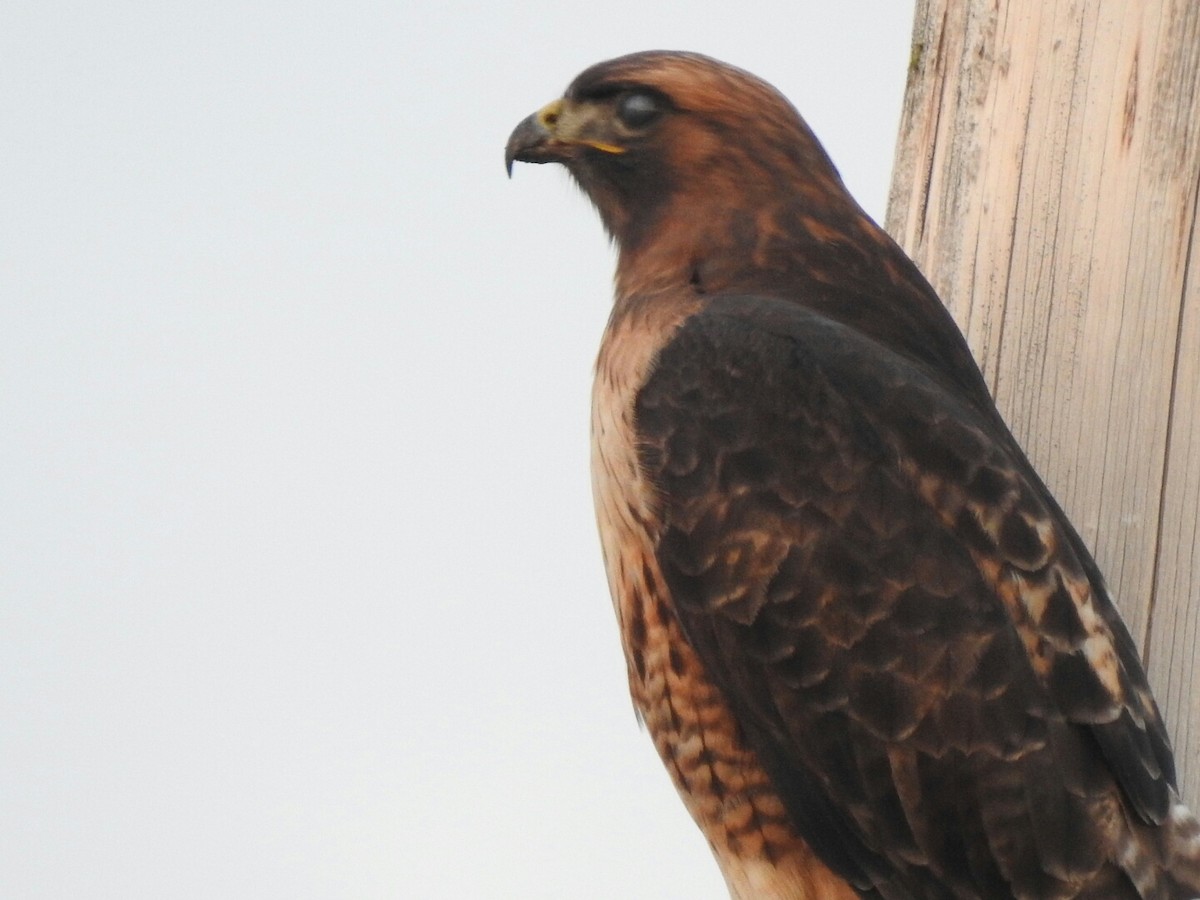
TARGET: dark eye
(638,110)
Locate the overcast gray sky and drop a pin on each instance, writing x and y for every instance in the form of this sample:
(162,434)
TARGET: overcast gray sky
(300,594)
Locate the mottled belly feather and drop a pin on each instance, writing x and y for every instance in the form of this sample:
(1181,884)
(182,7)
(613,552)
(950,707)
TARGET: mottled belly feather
(719,778)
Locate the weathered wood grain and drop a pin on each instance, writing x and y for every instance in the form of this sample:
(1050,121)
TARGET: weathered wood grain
(1047,182)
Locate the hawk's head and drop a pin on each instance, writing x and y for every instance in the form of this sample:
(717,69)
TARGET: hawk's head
(656,136)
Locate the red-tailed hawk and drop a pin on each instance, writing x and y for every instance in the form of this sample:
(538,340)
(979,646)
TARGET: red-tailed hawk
(874,655)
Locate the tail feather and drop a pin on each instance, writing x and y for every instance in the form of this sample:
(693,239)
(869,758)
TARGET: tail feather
(1181,851)
(1163,861)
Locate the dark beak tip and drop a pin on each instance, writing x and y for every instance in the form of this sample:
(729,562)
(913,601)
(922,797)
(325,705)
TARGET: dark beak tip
(525,141)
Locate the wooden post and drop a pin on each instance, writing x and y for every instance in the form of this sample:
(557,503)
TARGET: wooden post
(1047,182)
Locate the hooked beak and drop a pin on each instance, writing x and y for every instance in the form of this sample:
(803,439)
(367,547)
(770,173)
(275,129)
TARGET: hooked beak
(533,140)
(550,136)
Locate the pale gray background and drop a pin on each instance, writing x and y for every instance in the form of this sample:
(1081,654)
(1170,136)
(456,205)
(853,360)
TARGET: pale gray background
(300,594)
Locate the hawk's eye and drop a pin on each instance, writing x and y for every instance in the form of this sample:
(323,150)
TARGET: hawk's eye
(636,110)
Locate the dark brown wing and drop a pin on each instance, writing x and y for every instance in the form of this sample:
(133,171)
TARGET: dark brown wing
(898,614)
